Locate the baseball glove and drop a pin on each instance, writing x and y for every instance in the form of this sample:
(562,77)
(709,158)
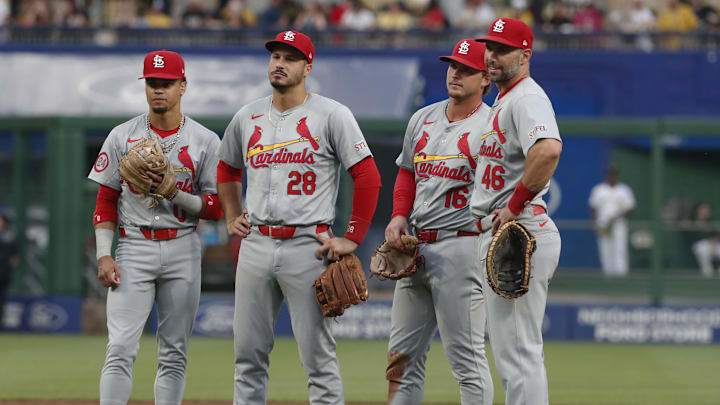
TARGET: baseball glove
(508,260)
(388,262)
(148,155)
(342,284)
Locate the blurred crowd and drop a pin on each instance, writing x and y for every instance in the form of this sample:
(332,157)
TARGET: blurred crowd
(552,16)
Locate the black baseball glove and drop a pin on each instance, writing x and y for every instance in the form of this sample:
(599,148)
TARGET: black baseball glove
(508,260)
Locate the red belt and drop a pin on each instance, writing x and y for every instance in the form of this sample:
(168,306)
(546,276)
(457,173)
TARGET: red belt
(539,210)
(431,235)
(287,232)
(154,234)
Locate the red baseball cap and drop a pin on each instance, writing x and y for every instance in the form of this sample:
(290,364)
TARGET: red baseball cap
(468,52)
(511,32)
(297,40)
(163,65)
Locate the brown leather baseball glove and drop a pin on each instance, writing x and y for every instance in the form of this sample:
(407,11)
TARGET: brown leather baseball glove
(148,155)
(508,260)
(388,262)
(342,284)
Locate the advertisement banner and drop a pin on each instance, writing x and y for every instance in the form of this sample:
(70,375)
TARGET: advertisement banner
(596,323)
(218,85)
(58,314)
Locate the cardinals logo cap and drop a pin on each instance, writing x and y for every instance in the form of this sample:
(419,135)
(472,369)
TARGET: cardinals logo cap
(163,65)
(511,32)
(297,40)
(468,52)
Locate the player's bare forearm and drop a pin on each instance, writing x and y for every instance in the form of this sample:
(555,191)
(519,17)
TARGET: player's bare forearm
(540,164)
(230,195)
(397,227)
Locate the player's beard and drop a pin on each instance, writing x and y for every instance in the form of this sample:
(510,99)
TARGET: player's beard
(507,72)
(289,83)
(160,110)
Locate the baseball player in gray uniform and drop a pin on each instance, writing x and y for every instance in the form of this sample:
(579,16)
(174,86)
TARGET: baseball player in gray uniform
(437,170)
(158,254)
(521,152)
(291,145)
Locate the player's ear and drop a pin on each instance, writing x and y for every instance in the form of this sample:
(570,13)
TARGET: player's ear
(308,69)
(183,86)
(485,81)
(526,54)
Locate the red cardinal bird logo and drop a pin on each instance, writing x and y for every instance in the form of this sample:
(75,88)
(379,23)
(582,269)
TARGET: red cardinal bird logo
(303,130)
(421,144)
(255,138)
(184,158)
(465,149)
(496,127)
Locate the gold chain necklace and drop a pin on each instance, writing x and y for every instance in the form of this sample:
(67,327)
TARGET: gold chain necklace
(149,132)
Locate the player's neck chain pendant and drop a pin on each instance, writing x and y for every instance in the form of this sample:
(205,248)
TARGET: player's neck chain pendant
(170,146)
(269,114)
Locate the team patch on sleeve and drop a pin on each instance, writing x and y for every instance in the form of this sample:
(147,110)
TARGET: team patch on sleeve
(360,146)
(102,162)
(539,129)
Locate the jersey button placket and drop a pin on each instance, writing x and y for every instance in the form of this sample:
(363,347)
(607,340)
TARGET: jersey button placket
(273,176)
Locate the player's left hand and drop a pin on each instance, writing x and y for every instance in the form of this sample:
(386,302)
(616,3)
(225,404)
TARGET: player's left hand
(335,247)
(502,216)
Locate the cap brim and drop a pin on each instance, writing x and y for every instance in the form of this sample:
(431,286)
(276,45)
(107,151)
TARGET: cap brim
(500,40)
(269,45)
(160,76)
(462,61)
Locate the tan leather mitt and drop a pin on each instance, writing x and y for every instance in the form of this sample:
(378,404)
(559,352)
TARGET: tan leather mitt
(148,155)
(508,260)
(388,262)
(341,285)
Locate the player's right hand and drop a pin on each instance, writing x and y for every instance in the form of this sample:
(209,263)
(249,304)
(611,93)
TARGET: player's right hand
(108,272)
(397,227)
(239,225)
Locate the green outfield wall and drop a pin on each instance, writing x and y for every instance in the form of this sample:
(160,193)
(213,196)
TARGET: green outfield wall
(55,180)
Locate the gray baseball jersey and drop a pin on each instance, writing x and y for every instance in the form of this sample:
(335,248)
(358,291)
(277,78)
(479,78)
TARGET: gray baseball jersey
(443,155)
(161,272)
(446,295)
(518,119)
(293,158)
(193,156)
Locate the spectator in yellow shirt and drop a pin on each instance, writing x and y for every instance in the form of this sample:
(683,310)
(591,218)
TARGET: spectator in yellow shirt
(394,18)
(677,17)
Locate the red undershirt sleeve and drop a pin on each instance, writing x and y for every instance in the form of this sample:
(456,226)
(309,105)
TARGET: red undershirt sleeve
(366,179)
(227,173)
(106,205)
(404,193)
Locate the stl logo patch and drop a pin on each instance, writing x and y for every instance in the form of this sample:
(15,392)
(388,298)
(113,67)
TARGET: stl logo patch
(360,146)
(464,48)
(289,36)
(158,62)
(499,26)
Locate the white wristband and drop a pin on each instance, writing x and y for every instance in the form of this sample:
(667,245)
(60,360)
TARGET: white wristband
(191,203)
(103,242)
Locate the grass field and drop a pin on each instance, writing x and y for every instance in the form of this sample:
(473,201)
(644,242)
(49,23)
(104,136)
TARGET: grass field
(68,367)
